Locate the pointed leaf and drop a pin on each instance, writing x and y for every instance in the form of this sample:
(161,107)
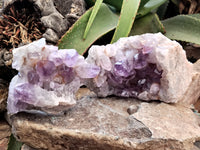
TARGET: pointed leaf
(92,16)
(115,3)
(197,16)
(104,22)
(183,28)
(149,6)
(147,24)
(162,10)
(127,17)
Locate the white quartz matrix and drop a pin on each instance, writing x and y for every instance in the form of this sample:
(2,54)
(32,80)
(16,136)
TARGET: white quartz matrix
(148,67)
(48,78)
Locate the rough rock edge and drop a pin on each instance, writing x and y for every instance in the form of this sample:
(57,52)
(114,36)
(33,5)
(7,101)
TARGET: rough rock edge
(59,137)
(69,139)
(5,132)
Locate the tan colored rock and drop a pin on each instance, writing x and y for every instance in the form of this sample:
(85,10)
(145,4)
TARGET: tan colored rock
(5,129)
(105,124)
(4,144)
(5,132)
(197,105)
(163,119)
(26,147)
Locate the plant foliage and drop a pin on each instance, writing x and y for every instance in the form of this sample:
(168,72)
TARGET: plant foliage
(183,28)
(136,17)
(126,19)
(104,22)
(92,16)
(14,144)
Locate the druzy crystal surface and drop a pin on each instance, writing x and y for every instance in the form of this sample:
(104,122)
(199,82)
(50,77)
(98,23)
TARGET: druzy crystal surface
(148,67)
(48,78)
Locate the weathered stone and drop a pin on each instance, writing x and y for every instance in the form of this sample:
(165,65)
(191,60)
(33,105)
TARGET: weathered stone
(163,119)
(26,147)
(197,105)
(132,109)
(5,129)
(5,132)
(105,124)
(50,35)
(56,15)
(4,144)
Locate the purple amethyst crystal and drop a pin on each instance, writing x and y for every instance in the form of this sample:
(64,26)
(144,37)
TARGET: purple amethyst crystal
(121,69)
(45,68)
(33,77)
(128,76)
(66,73)
(48,78)
(24,93)
(140,66)
(139,61)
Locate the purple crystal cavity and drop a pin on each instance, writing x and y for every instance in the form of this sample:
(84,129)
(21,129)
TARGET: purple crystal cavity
(132,70)
(48,78)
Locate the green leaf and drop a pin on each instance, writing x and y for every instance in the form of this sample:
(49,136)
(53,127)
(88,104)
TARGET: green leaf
(92,16)
(183,28)
(104,22)
(146,6)
(162,10)
(149,6)
(142,3)
(147,24)
(197,16)
(115,3)
(14,144)
(126,20)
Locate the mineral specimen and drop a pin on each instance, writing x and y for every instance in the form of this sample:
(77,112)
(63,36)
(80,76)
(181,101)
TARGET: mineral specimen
(148,67)
(47,78)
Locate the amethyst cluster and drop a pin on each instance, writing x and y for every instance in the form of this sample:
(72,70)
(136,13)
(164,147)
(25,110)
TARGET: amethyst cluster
(126,73)
(48,78)
(148,67)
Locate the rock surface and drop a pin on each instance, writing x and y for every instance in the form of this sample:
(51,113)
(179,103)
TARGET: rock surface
(26,147)
(57,15)
(5,132)
(105,124)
